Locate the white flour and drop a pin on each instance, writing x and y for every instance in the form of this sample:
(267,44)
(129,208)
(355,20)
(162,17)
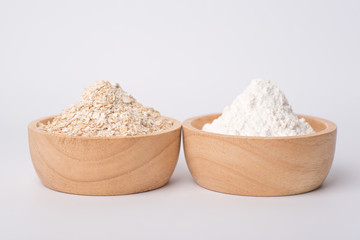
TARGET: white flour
(261,110)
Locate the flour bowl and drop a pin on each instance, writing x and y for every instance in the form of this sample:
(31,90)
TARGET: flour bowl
(104,165)
(259,166)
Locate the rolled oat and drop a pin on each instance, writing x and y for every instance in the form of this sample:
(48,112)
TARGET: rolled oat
(105,110)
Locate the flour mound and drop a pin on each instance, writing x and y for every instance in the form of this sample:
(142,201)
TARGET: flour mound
(261,110)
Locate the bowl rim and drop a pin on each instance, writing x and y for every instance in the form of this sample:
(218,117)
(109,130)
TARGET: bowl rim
(330,127)
(33,125)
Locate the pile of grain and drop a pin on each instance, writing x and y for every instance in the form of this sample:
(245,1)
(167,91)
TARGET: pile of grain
(105,110)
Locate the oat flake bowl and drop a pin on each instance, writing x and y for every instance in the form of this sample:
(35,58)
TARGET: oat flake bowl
(105,144)
(259,166)
(104,165)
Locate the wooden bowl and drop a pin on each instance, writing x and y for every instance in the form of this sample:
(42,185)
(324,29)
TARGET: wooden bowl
(259,166)
(104,165)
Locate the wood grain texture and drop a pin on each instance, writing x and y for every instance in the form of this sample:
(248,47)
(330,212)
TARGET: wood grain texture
(259,166)
(104,165)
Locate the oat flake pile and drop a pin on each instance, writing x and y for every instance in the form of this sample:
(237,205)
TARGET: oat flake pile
(105,110)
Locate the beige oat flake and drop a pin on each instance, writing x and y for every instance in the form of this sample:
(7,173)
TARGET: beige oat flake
(106,110)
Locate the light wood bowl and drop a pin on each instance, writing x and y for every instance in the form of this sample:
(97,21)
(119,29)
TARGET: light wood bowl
(104,165)
(259,166)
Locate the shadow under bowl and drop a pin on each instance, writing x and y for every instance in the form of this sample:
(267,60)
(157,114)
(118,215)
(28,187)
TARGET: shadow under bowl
(259,166)
(104,165)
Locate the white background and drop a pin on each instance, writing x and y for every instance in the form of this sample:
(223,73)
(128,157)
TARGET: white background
(184,58)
